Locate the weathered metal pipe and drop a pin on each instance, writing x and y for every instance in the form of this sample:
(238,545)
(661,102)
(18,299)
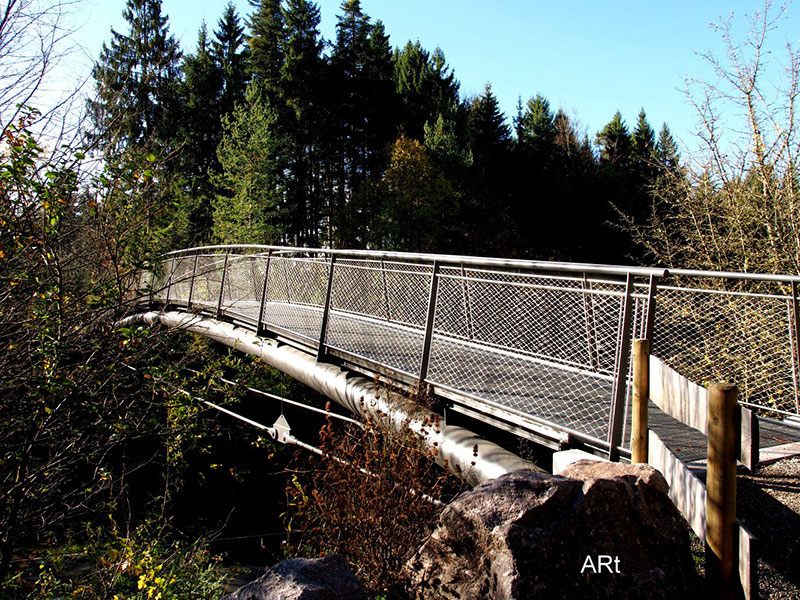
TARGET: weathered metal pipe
(466,454)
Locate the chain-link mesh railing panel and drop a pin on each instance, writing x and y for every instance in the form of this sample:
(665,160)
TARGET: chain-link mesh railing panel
(242,296)
(533,344)
(366,294)
(360,287)
(722,336)
(579,401)
(160,279)
(207,280)
(393,348)
(296,294)
(567,325)
(454,306)
(408,289)
(181,279)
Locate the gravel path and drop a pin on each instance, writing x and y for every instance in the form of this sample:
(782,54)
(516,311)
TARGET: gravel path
(769,505)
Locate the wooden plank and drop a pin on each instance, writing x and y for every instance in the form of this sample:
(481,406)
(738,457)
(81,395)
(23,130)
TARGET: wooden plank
(748,562)
(677,396)
(686,401)
(749,450)
(685,489)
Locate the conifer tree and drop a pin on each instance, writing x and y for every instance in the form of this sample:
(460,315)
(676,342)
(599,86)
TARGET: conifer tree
(266,40)
(536,125)
(491,136)
(303,94)
(666,150)
(488,209)
(200,132)
(135,115)
(615,143)
(231,55)
(362,104)
(425,85)
(247,209)
(136,77)
(643,139)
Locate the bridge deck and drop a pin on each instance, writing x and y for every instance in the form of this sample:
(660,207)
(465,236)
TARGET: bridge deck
(522,387)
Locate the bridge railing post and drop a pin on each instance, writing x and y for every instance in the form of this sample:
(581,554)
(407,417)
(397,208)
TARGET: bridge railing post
(222,284)
(620,388)
(385,291)
(467,303)
(191,281)
(426,344)
(724,424)
(641,396)
(588,315)
(169,280)
(326,311)
(262,325)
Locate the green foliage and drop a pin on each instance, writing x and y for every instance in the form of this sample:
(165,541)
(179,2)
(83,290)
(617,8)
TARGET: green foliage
(247,210)
(136,78)
(418,203)
(150,563)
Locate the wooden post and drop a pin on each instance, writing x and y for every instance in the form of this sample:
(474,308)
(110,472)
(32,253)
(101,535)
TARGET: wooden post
(641,396)
(722,579)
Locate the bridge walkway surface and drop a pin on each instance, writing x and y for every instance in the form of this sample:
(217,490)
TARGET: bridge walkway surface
(540,349)
(550,402)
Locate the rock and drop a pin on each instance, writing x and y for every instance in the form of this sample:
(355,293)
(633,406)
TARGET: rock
(603,530)
(327,578)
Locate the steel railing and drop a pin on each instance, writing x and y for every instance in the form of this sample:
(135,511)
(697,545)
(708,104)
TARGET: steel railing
(543,341)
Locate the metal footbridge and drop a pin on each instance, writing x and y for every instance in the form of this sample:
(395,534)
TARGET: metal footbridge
(541,349)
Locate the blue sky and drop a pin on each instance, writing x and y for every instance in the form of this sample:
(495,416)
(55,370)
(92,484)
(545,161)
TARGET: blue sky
(590,58)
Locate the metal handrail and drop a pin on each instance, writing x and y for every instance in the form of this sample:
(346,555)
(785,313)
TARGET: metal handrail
(446,259)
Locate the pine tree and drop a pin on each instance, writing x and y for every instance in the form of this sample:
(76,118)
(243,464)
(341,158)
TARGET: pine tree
(303,94)
(266,40)
(247,209)
(425,85)
(231,55)
(136,78)
(615,143)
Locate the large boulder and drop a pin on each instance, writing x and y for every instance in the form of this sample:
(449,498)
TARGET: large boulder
(601,530)
(327,578)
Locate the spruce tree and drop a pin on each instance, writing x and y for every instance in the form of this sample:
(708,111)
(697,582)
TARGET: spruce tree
(615,143)
(231,55)
(303,92)
(643,139)
(247,208)
(536,125)
(362,99)
(425,85)
(266,40)
(488,210)
(200,132)
(136,77)
(666,150)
